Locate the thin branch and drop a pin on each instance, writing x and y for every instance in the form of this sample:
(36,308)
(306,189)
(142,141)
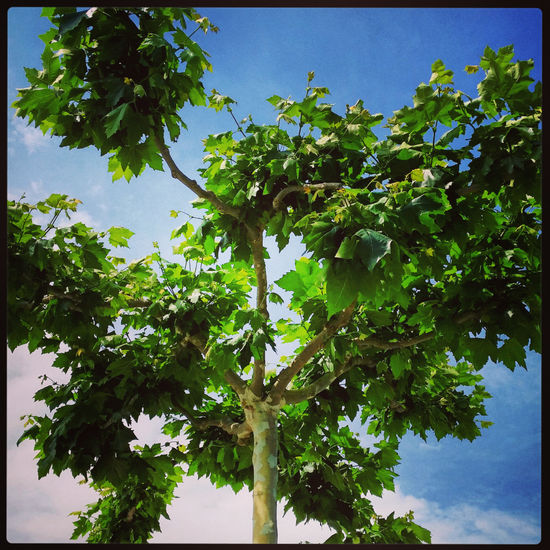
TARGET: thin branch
(278,200)
(60,295)
(51,225)
(285,376)
(374,342)
(197,341)
(255,239)
(236,122)
(474,188)
(434,131)
(198,28)
(192,184)
(190,216)
(324,381)
(161,265)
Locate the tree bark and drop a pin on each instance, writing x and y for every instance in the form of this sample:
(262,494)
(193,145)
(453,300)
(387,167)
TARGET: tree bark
(263,420)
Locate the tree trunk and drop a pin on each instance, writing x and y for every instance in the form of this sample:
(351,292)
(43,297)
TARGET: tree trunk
(264,460)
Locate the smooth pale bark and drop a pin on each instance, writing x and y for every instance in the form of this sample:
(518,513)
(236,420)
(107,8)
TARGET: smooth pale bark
(263,420)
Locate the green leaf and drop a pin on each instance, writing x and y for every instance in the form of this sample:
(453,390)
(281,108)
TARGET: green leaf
(114,119)
(185,229)
(380,318)
(347,248)
(118,236)
(275,298)
(218,101)
(422,209)
(512,353)
(197,96)
(399,363)
(336,538)
(275,100)
(290,168)
(70,21)
(139,90)
(305,282)
(421,533)
(440,75)
(44,99)
(424,94)
(343,285)
(371,247)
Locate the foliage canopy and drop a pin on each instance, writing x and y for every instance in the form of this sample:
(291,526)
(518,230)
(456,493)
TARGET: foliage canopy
(421,247)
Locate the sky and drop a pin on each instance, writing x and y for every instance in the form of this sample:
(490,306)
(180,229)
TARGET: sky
(483,492)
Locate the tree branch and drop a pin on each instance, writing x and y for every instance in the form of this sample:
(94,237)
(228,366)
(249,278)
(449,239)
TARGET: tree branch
(278,200)
(255,237)
(374,342)
(235,381)
(192,184)
(285,376)
(241,429)
(324,381)
(139,302)
(463,191)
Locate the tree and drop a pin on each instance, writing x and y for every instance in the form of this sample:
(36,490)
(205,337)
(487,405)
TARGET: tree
(422,262)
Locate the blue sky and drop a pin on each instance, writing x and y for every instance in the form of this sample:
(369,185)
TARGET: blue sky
(487,491)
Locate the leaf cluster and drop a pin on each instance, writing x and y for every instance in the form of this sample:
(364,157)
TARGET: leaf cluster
(113,78)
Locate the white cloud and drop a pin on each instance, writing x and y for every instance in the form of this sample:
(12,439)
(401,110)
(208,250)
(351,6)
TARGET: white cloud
(30,136)
(78,216)
(461,523)
(38,509)
(42,219)
(204,514)
(37,187)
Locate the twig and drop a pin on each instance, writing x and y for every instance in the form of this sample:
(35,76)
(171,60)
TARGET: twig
(238,125)
(278,200)
(374,342)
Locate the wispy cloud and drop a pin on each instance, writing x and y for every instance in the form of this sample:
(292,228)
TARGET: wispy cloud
(79,216)
(37,187)
(31,137)
(462,523)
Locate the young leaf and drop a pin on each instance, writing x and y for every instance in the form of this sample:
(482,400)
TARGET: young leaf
(118,236)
